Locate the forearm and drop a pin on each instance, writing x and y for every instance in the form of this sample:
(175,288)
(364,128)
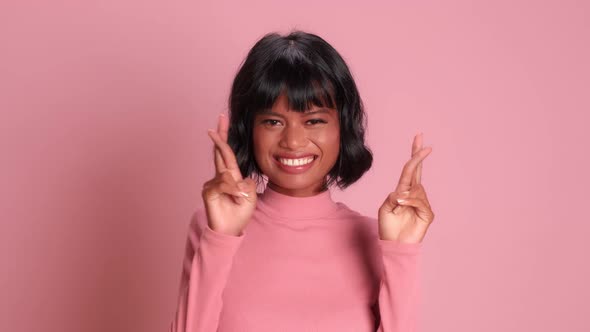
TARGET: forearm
(399,293)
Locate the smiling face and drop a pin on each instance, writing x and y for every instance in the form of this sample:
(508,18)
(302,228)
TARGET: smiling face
(296,150)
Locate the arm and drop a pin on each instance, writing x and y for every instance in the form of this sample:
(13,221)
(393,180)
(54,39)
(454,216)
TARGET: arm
(399,292)
(205,270)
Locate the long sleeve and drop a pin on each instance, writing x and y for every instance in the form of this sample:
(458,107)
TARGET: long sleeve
(399,292)
(205,271)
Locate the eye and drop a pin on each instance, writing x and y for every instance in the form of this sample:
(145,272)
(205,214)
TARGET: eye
(316,121)
(271,122)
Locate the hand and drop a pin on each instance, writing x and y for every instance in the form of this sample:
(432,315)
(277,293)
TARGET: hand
(229,199)
(407,221)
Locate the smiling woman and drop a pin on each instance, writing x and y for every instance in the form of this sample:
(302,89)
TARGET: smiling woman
(291,258)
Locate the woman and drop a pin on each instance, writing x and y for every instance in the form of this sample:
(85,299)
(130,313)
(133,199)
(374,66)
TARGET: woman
(290,258)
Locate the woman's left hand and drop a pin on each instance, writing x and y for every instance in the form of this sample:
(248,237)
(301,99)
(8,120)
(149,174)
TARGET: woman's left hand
(407,221)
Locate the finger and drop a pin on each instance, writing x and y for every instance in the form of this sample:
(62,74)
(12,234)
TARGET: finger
(234,188)
(393,200)
(417,191)
(423,210)
(418,140)
(218,159)
(418,173)
(398,209)
(227,154)
(231,186)
(248,186)
(230,189)
(222,126)
(405,181)
(415,148)
(390,203)
(224,184)
(219,163)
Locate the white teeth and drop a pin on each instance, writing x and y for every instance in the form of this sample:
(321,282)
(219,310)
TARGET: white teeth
(296,162)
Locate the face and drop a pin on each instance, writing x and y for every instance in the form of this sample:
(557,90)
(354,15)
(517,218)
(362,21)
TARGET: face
(296,150)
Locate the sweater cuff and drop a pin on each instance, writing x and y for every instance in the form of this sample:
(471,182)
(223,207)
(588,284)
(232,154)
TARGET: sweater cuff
(397,247)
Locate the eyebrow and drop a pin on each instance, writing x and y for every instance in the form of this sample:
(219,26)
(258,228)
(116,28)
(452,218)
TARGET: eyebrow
(321,110)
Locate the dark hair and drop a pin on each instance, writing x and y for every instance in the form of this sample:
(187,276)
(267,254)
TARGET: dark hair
(310,71)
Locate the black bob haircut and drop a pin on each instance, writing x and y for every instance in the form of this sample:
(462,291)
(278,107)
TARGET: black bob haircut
(310,71)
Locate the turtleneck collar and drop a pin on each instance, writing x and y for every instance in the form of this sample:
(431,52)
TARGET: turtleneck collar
(283,206)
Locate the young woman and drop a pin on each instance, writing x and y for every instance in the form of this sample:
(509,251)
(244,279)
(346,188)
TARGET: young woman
(290,258)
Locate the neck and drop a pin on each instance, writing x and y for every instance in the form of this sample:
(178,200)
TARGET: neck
(303,192)
(283,206)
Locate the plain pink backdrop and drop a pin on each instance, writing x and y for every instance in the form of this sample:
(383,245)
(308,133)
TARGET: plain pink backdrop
(104,112)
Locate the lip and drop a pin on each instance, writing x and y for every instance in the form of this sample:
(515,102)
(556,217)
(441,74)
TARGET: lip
(295,169)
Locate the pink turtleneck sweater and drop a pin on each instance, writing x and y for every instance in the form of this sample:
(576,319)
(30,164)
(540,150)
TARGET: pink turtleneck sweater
(302,264)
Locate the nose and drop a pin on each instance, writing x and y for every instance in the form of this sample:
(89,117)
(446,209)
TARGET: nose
(293,137)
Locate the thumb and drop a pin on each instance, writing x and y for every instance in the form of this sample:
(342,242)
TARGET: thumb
(390,202)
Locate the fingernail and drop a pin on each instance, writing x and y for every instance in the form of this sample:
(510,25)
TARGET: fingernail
(405,192)
(399,200)
(221,114)
(244,194)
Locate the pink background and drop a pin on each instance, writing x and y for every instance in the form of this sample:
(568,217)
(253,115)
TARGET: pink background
(104,111)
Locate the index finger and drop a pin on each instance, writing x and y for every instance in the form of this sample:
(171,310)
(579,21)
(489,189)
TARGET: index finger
(219,163)
(405,180)
(416,146)
(222,126)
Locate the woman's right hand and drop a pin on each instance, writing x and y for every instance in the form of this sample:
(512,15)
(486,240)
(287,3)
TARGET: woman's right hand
(229,199)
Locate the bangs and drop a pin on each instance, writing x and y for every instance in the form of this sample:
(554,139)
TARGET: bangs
(305,86)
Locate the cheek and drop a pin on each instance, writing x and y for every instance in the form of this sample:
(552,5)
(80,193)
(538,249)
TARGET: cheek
(330,143)
(261,146)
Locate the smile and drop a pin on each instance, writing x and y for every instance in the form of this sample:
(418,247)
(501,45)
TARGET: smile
(295,166)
